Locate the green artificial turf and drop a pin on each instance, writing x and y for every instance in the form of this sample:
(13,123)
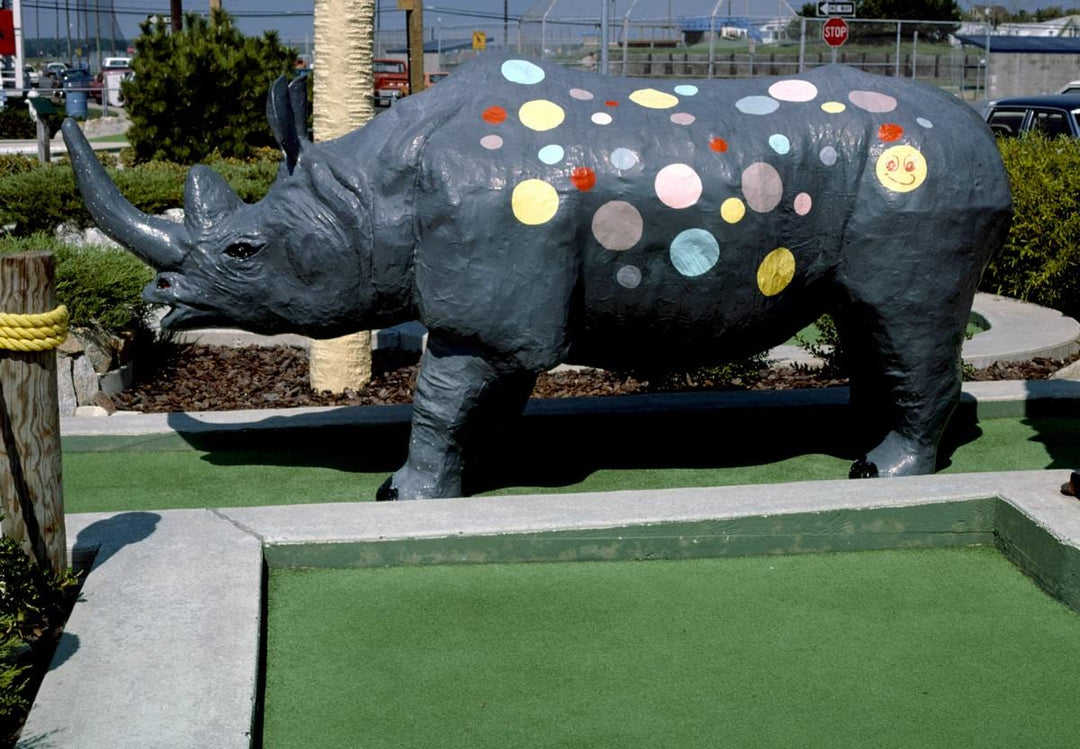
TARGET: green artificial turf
(887,649)
(169,472)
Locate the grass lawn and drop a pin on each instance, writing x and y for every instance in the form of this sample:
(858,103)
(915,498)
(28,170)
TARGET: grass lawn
(936,647)
(574,454)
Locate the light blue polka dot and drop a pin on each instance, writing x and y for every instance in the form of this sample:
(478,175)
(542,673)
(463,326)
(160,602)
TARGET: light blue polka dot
(623,158)
(522,71)
(552,154)
(828,155)
(924,122)
(757,105)
(694,252)
(629,277)
(779,143)
(686,90)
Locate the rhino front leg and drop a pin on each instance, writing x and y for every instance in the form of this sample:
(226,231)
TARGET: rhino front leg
(455,388)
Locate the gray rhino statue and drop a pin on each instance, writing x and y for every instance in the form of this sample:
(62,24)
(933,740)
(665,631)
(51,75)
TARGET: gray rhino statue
(529,215)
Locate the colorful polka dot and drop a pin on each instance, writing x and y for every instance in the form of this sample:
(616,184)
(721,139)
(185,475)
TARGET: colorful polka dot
(551,154)
(494,115)
(601,118)
(833,107)
(803,203)
(683,118)
(686,89)
(827,155)
(890,132)
(581,94)
(583,178)
(629,277)
(677,186)
(694,252)
(611,103)
(923,122)
(901,168)
(624,158)
(757,105)
(793,90)
(732,210)
(779,143)
(776,271)
(523,72)
(872,101)
(718,144)
(762,187)
(650,98)
(617,225)
(541,114)
(491,142)
(534,202)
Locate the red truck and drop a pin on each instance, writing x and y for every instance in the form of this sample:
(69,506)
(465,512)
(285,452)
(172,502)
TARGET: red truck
(391,81)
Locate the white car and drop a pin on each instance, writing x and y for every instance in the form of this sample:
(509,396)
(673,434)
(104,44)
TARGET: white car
(1072,87)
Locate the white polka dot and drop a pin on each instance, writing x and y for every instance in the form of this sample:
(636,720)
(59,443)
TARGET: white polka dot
(601,118)
(828,155)
(624,158)
(678,186)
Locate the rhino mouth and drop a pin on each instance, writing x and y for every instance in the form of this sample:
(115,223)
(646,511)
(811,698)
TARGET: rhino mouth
(183,313)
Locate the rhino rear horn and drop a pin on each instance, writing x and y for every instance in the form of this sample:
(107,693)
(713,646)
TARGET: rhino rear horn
(282,117)
(207,198)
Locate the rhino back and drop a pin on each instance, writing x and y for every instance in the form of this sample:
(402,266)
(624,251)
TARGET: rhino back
(558,207)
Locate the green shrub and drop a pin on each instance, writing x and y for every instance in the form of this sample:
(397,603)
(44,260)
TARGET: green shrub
(13,163)
(201,90)
(826,347)
(1041,259)
(101,286)
(15,122)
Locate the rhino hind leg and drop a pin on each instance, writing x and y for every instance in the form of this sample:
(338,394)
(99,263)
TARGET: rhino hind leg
(459,395)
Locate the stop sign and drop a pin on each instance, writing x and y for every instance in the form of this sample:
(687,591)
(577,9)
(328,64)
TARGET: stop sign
(834,32)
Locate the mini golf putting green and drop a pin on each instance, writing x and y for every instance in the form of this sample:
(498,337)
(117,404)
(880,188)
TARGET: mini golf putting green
(561,455)
(917,647)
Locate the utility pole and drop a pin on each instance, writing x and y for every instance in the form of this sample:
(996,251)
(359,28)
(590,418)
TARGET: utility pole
(97,30)
(215,5)
(414,23)
(506,25)
(67,23)
(177,7)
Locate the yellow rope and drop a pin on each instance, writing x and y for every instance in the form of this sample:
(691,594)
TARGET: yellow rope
(39,332)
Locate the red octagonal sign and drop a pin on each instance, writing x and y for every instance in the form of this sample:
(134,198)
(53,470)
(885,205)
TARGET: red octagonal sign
(835,32)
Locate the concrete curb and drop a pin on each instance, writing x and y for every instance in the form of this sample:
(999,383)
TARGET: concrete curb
(162,649)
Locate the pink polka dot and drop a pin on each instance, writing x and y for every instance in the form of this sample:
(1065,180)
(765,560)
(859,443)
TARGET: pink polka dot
(803,203)
(793,90)
(678,186)
(762,187)
(581,94)
(872,101)
(683,118)
(491,142)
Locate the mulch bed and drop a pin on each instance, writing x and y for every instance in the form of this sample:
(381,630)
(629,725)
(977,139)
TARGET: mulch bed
(210,378)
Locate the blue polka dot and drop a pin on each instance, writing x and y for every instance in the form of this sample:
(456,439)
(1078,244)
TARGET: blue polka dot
(623,158)
(828,155)
(686,90)
(552,154)
(780,143)
(522,71)
(757,105)
(694,252)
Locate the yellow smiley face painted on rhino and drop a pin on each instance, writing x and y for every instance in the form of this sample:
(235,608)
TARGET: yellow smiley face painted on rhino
(901,168)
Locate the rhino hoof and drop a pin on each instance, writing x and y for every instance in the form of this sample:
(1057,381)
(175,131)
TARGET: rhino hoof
(863,469)
(386,492)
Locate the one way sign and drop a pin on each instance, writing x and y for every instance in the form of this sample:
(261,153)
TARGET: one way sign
(831,8)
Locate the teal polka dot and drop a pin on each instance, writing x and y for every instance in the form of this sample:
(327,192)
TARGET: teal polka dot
(522,71)
(694,252)
(757,105)
(780,143)
(552,154)
(686,90)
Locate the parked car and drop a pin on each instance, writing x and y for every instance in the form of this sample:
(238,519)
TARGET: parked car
(1053,115)
(1072,87)
(109,66)
(430,79)
(116,63)
(55,70)
(391,81)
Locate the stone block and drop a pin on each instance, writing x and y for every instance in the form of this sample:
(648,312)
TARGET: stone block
(91,411)
(65,387)
(85,379)
(117,380)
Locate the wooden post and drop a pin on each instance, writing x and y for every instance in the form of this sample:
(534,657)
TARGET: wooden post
(31,491)
(414,23)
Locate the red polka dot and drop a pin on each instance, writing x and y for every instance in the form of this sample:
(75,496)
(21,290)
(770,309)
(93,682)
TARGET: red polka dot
(494,115)
(718,144)
(583,178)
(890,132)
(611,103)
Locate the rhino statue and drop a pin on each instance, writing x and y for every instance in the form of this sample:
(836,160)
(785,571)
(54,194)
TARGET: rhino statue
(529,215)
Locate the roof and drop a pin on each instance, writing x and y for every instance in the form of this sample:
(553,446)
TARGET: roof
(1059,101)
(435,46)
(1025,44)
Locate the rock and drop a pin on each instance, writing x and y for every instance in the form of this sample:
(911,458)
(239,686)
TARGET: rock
(65,387)
(85,380)
(174,214)
(100,346)
(69,233)
(91,411)
(95,236)
(101,399)
(72,346)
(117,380)
(1069,372)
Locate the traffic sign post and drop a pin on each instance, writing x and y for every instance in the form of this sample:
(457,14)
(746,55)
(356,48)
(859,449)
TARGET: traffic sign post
(834,32)
(833,8)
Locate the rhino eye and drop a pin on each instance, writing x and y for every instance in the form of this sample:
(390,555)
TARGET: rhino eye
(241,250)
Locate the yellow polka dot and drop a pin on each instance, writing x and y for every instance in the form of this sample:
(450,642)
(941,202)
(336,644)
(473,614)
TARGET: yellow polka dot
(732,210)
(534,202)
(776,271)
(541,114)
(653,99)
(833,107)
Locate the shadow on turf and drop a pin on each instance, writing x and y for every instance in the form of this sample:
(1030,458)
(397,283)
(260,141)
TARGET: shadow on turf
(563,448)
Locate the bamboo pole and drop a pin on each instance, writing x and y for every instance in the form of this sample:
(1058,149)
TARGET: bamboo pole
(31,489)
(344,84)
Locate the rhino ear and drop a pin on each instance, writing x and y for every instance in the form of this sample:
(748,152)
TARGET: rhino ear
(298,98)
(207,199)
(279,111)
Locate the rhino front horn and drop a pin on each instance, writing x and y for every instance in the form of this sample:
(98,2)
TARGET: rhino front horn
(157,241)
